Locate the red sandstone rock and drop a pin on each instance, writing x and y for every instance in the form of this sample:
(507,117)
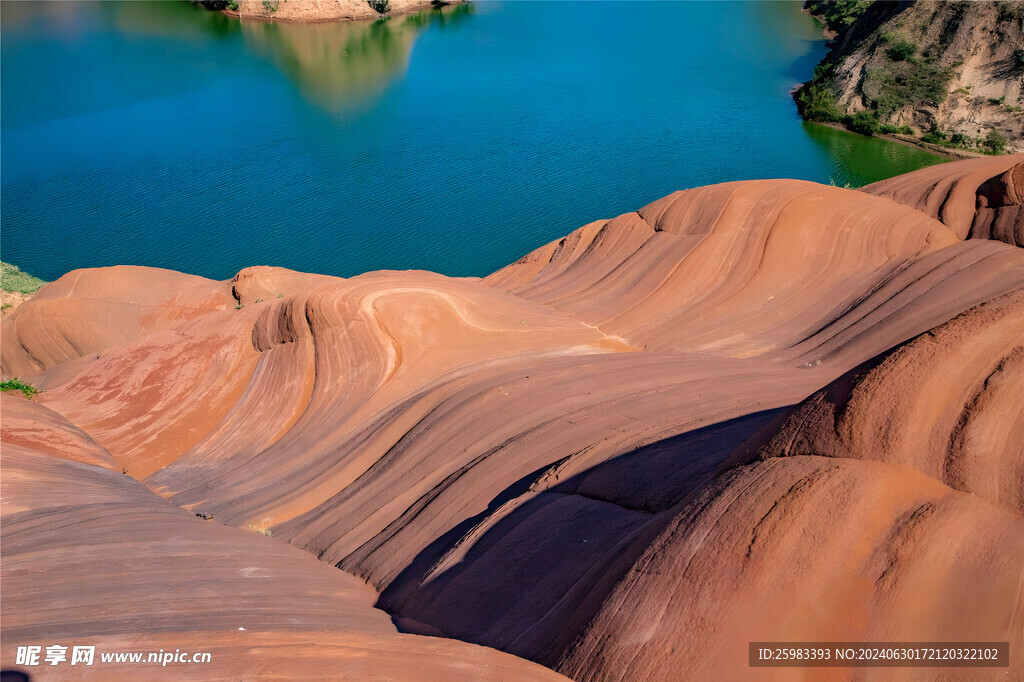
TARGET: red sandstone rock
(91,557)
(548,461)
(979,198)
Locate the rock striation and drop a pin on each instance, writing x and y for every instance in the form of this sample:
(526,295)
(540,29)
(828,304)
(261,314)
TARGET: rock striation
(93,558)
(981,199)
(765,410)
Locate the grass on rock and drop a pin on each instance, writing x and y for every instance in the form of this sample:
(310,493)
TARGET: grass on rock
(19,385)
(14,279)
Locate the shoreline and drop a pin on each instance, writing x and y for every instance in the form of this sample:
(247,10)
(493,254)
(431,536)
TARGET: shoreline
(939,150)
(829,34)
(413,9)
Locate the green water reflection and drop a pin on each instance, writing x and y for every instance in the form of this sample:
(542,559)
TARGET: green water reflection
(341,65)
(858,160)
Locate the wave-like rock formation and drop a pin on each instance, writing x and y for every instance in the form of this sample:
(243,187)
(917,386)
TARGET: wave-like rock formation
(93,558)
(981,199)
(601,458)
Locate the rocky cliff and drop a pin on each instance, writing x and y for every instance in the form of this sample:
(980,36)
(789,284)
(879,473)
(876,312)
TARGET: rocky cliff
(949,72)
(758,411)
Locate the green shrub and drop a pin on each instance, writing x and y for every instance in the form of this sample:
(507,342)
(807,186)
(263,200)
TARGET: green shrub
(380,6)
(19,385)
(817,103)
(233,5)
(1007,12)
(864,122)
(995,142)
(13,279)
(270,6)
(997,100)
(1018,58)
(901,50)
(822,71)
(895,130)
(901,84)
(839,14)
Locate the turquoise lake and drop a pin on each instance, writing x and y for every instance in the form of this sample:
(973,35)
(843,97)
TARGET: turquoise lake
(162,134)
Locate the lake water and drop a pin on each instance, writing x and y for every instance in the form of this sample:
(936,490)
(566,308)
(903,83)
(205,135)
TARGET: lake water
(158,133)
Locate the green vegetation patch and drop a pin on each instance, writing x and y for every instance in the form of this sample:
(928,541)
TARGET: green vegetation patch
(838,14)
(906,76)
(901,50)
(1008,11)
(902,74)
(909,82)
(13,279)
(19,385)
(219,4)
(994,143)
(817,102)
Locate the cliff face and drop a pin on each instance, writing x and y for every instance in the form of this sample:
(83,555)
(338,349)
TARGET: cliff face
(601,458)
(951,71)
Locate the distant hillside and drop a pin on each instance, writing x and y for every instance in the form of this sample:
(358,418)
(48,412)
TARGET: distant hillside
(945,72)
(313,11)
